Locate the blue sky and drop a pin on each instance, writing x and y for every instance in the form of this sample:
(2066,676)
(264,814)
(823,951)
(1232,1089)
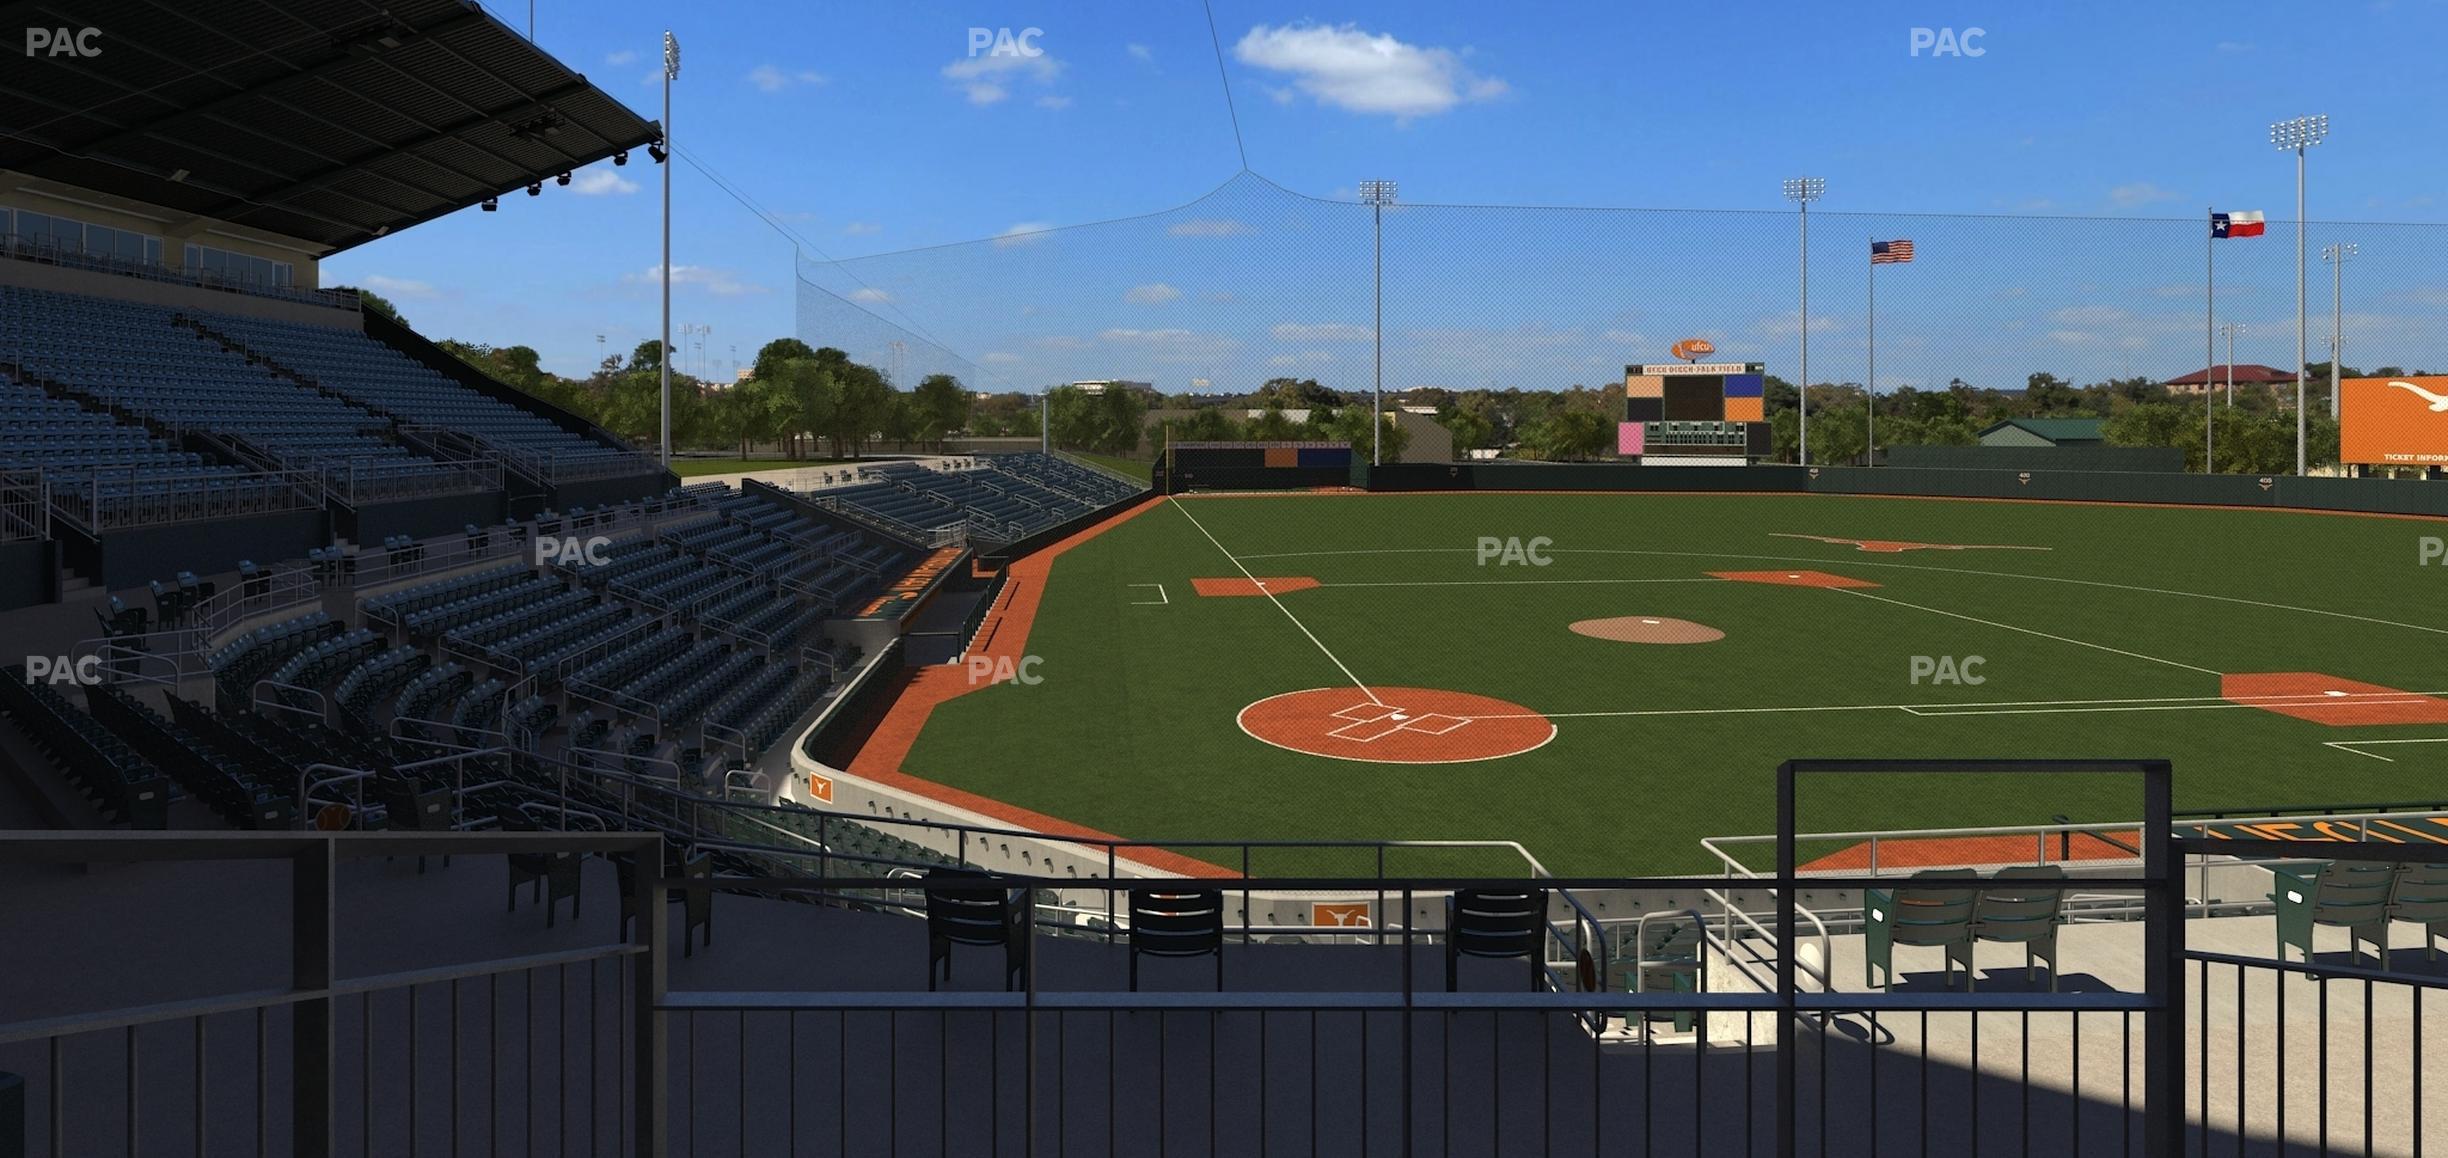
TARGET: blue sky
(871,129)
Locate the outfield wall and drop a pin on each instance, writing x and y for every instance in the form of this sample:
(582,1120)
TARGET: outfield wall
(2375,496)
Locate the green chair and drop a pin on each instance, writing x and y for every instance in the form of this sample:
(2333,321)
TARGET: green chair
(2023,905)
(2343,894)
(1666,958)
(1919,914)
(2420,894)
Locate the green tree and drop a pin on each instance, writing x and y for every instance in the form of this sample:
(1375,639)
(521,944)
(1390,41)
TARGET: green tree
(941,408)
(778,351)
(375,302)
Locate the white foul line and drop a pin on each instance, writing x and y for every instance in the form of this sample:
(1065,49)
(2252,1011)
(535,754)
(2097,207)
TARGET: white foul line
(1160,600)
(1511,582)
(1262,588)
(2028,631)
(2356,746)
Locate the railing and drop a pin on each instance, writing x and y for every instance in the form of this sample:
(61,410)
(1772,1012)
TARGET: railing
(357,482)
(45,251)
(1100,468)
(287,1069)
(948,535)
(105,500)
(24,506)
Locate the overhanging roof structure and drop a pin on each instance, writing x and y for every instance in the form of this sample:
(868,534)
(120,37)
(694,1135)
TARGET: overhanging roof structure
(330,121)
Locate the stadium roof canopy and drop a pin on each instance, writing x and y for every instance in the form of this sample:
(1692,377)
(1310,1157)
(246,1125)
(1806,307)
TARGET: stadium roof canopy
(330,121)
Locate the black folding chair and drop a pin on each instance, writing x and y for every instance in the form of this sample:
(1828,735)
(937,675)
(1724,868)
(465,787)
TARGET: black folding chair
(1498,923)
(970,909)
(1175,922)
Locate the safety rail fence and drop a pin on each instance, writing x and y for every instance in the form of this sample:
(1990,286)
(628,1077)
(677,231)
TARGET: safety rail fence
(1360,1050)
(24,506)
(560,1037)
(50,250)
(103,500)
(1140,483)
(949,535)
(357,482)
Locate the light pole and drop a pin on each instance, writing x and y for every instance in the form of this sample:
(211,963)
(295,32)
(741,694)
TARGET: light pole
(1378,194)
(2231,329)
(2299,135)
(2337,256)
(1805,190)
(671,72)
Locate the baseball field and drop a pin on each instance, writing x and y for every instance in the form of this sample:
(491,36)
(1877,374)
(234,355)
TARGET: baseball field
(1609,678)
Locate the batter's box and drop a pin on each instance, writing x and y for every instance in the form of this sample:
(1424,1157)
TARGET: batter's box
(1372,721)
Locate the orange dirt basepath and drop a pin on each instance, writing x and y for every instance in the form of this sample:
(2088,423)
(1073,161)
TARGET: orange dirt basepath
(1955,851)
(1397,726)
(1647,629)
(1237,586)
(2327,699)
(1793,578)
(1002,637)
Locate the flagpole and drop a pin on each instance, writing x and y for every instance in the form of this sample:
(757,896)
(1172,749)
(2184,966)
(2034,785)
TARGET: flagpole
(2209,338)
(1872,384)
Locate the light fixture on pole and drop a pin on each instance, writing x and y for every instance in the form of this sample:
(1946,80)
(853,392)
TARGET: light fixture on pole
(2230,329)
(2337,256)
(662,150)
(1378,194)
(1805,190)
(2298,135)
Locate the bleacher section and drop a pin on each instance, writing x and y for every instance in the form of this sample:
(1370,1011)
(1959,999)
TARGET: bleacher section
(364,369)
(1006,498)
(138,360)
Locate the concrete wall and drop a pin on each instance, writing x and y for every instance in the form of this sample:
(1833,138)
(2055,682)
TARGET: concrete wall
(172,295)
(176,230)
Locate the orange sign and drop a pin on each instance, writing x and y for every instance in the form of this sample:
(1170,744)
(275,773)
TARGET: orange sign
(820,787)
(1339,914)
(2394,421)
(1692,349)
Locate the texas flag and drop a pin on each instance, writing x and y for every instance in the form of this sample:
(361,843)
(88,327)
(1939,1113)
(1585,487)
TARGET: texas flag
(2236,224)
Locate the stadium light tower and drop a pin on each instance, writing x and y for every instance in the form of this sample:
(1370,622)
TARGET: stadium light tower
(1378,194)
(2299,135)
(2231,329)
(1805,190)
(671,72)
(2337,256)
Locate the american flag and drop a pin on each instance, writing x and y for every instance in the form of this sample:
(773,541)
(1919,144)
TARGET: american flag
(1890,252)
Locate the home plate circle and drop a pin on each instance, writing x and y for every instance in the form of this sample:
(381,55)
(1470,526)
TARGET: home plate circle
(1396,725)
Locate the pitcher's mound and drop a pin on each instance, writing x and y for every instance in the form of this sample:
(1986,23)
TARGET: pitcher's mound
(1647,629)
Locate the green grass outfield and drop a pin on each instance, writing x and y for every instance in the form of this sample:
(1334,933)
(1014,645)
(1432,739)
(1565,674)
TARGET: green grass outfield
(1132,729)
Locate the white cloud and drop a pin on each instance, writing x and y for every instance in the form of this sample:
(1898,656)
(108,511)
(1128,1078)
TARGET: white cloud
(1321,332)
(721,283)
(1210,227)
(1141,53)
(862,228)
(1152,337)
(1348,68)
(599,182)
(624,56)
(1025,233)
(869,294)
(770,79)
(1053,102)
(1153,293)
(399,287)
(1623,338)
(2138,193)
(987,80)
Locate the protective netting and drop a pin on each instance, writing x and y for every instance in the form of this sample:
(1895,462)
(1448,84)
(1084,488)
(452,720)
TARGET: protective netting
(1253,282)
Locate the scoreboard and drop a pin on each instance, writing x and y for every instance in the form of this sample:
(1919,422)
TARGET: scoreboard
(1714,411)
(1696,392)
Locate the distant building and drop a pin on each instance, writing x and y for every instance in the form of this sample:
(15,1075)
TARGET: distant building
(2216,377)
(1099,386)
(2043,432)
